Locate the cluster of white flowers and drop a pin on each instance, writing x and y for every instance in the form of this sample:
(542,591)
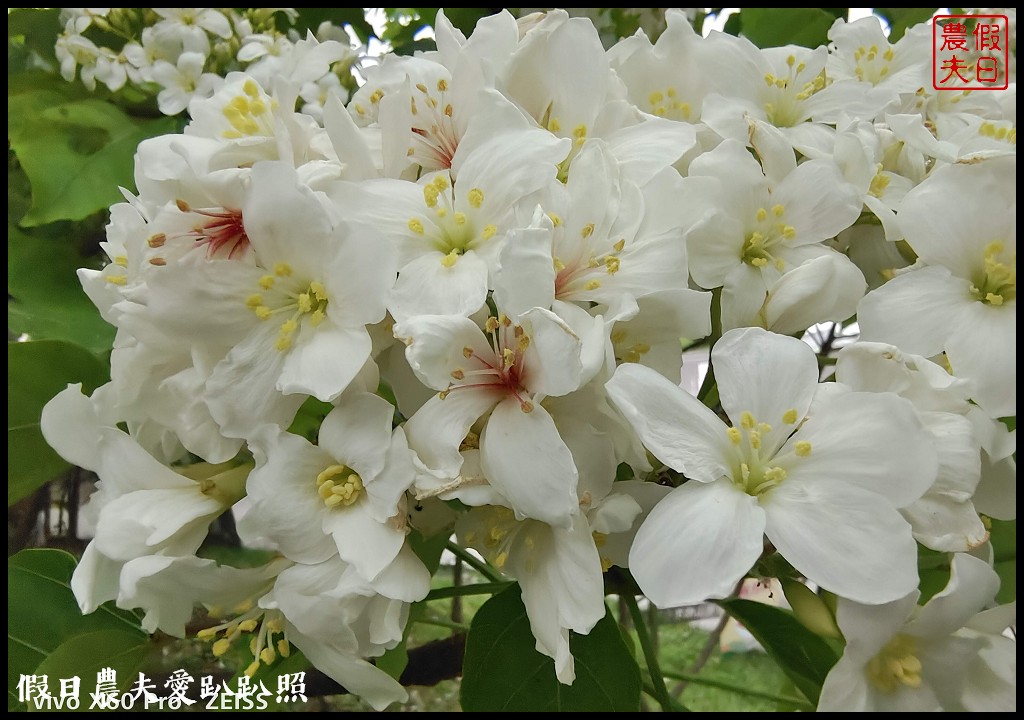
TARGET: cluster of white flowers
(513,233)
(183,54)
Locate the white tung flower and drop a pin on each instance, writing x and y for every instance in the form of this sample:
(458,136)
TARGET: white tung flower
(961,297)
(947,655)
(506,373)
(820,475)
(292,323)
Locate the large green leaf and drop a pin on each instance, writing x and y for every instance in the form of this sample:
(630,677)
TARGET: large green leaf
(36,371)
(774,27)
(77,152)
(504,672)
(805,657)
(83,656)
(42,612)
(44,297)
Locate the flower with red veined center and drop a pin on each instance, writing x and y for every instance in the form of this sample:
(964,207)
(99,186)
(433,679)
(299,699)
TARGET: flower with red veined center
(435,136)
(223,234)
(501,373)
(504,370)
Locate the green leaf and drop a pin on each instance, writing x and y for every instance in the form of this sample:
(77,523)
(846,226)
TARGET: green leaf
(428,550)
(31,462)
(504,672)
(308,419)
(42,612)
(44,297)
(236,557)
(803,656)
(36,371)
(933,569)
(774,27)
(85,655)
(76,152)
(465,19)
(310,18)
(900,19)
(1003,536)
(35,30)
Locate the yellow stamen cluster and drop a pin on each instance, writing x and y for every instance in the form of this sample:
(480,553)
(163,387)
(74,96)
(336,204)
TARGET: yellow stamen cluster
(753,471)
(244,113)
(998,132)
(785,95)
(878,183)
(500,529)
(309,300)
(250,620)
(339,486)
(760,245)
(634,352)
(223,482)
(896,664)
(452,234)
(998,282)
(870,66)
(569,279)
(667,104)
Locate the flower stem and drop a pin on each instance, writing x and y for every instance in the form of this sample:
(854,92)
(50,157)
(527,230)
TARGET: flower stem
(738,689)
(657,679)
(441,622)
(481,567)
(676,705)
(457,591)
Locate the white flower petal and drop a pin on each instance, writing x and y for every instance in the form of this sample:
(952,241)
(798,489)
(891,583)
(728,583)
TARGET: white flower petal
(286,508)
(563,588)
(526,278)
(972,586)
(428,286)
(982,346)
(845,539)
(553,365)
(362,540)
(439,427)
(324,360)
(242,390)
(872,441)
(675,426)
(70,426)
(525,459)
(435,346)
(697,543)
(767,375)
(358,433)
(353,673)
(825,288)
(405,579)
(818,202)
(915,311)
